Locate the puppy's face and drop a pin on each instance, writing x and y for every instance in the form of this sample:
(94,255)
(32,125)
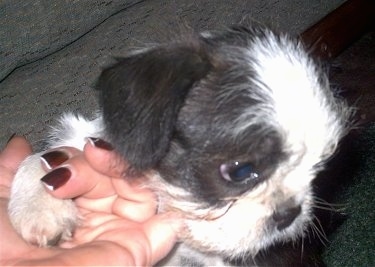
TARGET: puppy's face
(231,129)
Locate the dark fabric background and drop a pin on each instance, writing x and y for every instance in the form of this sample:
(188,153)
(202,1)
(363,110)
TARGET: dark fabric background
(352,242)
(34,29)
(73,40)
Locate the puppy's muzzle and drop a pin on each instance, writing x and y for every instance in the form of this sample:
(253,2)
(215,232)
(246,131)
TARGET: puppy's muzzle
(285,215)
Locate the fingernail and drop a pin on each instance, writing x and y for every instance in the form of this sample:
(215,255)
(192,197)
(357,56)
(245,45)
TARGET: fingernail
(54,158)
(11,137)
(56,178)
(100,143)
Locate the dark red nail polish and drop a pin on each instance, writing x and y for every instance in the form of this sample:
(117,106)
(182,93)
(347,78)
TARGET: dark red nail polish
(100,143)
(56,178)
(54,158)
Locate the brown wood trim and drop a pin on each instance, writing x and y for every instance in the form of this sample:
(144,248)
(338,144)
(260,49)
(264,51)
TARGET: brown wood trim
(332,34)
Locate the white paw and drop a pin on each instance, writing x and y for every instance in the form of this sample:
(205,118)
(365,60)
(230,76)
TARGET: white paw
(40,218)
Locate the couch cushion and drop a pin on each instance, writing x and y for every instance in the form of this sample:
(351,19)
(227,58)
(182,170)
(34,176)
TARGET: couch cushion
(31,30)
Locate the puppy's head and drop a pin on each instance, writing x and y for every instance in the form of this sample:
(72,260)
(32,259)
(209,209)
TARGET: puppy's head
(231,128)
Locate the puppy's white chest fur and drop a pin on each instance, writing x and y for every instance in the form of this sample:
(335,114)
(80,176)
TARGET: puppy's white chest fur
(233,127)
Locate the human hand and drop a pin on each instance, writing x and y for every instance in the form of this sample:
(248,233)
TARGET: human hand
(119,222)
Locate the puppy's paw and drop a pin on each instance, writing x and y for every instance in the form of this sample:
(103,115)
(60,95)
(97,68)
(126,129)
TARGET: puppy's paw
(40,218)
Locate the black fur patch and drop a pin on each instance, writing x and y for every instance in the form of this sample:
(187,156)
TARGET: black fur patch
(141,96)
(172,108)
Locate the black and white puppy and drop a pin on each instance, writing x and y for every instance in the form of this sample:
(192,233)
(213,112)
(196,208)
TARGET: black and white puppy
(229,128)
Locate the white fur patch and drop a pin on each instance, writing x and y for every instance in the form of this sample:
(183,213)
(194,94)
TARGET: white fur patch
(72,129)
(300,105)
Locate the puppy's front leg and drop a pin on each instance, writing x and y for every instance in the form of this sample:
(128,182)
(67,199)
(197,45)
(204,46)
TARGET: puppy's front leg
(40,218)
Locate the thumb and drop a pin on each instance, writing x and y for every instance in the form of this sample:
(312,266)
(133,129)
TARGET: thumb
(15,152)
(103,158)
(162,233)
(75,178)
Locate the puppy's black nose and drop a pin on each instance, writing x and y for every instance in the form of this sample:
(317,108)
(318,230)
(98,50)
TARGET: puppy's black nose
(285,216)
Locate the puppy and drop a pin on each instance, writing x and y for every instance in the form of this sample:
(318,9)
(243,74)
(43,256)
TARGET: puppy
(229,128)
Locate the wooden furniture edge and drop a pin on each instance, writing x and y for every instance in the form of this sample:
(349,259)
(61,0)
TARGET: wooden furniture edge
(331,35)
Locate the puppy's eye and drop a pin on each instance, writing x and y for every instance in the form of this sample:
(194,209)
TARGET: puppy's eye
(238,172)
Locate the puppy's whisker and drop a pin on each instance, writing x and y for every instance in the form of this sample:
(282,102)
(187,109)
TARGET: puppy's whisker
(235,198)
(324,202)
(323,234)
(319,231)
(333,205)
(308,235)
(200,213)
(324,205)
(302,248)
(224,211)
(325,208)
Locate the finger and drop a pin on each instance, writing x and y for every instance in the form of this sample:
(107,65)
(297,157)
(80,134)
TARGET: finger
(126,234)
(98,253)
(95,224)
(12,244)
(91,254)
(162,234)
(145,243)
(103,158)
(138,211)
(75,177)
(131,238)
(53,158)
(134,202)
(15,152)
(106,161)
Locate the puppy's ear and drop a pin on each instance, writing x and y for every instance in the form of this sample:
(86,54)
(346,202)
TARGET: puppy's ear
(141,96)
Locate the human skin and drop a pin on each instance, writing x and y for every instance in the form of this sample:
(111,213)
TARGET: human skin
(119,227)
